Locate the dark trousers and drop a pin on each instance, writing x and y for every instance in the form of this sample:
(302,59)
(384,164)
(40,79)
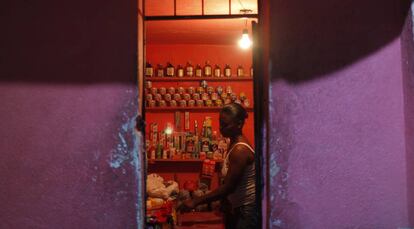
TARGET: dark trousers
(243,217)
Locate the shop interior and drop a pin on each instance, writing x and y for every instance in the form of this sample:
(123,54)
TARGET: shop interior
(197,59)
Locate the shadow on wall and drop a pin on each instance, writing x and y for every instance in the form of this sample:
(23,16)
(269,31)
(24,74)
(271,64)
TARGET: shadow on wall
(67,42)
(310,39)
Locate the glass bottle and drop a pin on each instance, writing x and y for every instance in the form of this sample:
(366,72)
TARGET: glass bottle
(170,70)
(189,70)
(160,70)
(217,71)
(149,70)
(251,71)
(180,71)
(240,72)
(198,71)
(227,71)
(207,69)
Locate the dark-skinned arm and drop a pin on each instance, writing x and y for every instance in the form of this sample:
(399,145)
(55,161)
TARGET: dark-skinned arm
(239,159)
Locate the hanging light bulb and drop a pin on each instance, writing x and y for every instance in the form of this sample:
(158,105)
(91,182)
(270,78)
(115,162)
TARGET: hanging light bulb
(245,41)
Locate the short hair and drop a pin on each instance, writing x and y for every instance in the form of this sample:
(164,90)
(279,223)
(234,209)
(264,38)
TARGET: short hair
(236,110)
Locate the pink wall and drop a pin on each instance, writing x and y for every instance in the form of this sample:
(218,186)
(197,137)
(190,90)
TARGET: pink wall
(337,126)
(68,101)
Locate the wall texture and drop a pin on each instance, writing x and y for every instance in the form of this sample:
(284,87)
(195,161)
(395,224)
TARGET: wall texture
(68,100)
(337,126)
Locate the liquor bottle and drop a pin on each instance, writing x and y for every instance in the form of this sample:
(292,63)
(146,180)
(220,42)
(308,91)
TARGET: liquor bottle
(170,70)
(208,128)
(217,71)
(196,154)
(198,71)
(149,70)
(251,71)
(180,71)
(227,71)
(207,69)
(160,70)
(240,72)
(189,70)
(189,143)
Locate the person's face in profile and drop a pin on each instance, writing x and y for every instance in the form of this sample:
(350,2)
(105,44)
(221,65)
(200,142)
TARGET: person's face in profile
(228,126)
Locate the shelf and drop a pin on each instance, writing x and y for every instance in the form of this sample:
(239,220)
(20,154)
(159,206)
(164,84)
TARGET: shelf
(211,79)
(193,109)
(178,161)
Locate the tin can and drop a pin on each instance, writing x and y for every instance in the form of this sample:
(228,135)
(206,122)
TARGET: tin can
(205,96)
(210,90)
(200,103)
(219,90)
(182,103)
(177,97)
(196,96)
(154,90)
(151,103)
(162,103)
(167,97)
(191,90)
(186,96)
(200,90)
(148,84)
(180,90)
(148,96)
(229,90)
(191,103)
(214,96)
(158,97)
(173,103)
(209,103)
(162,90)
(171,90)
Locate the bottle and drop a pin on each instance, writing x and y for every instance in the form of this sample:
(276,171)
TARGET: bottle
(189,70)
(251,71)
(160,70)
(240,71)
(196,141)
(227,71)
(149,70)
(198,71)
(180,71)
(217,71)
(207,69)
(189,143)
(170,70)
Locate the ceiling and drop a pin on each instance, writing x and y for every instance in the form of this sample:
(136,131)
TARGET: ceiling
(211,31)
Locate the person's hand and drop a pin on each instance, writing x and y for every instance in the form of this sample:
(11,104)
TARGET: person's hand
(186,205)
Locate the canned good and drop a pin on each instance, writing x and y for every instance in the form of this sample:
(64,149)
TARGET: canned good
(203,83)
(191,90)
(196,96)
(171,90)
(162,103)
(182,103)
(158,97)
(200,103)
(148,96)
(177,97)
(219,102)
(227,101)
(191,103)
(162,90)
(219,90)
(210,90)
(148,84)
(205,96)
(214,96)
(154,90)
(151,103)
(186,96)
(209,103)
(181,90)
(173,103)
(200,90)
(229,90)
(167,97)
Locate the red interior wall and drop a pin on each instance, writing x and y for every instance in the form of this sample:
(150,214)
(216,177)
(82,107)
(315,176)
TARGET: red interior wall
(198,54)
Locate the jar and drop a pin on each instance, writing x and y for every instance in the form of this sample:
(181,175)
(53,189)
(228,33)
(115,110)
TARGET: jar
(200,103)
(148,84)
(189,70)
(149,70)
(170,70)
(227,71)
(186,96)
(191,103)
(181,90)
(182,103)
(229,90)
(177,97)
(158,97)
(191,90)
(240,71)
(167,97)
(209,103)
(180,71)
(214,96)
(171,90)
(148,96)
(217,71)
(205,96)
(200,90)
(162,103)
(151,103)
(196,96)
(173,103)
(219,102)
(154,90)
(160,71)
(219,90)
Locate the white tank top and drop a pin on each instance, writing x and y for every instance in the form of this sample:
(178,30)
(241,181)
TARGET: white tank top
(245,192)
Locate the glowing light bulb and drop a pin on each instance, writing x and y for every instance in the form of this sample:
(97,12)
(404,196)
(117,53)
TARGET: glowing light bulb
(168,130)
(245,41)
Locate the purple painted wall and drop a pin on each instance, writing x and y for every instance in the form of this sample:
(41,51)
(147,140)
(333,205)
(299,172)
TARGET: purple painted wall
(337,127)
(407,48)
(68,99)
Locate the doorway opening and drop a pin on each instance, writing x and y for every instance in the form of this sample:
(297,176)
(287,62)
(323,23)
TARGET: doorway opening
(194,65)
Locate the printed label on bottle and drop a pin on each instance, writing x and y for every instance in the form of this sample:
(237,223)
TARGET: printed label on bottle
(170,71)
(227,72)
(149,72)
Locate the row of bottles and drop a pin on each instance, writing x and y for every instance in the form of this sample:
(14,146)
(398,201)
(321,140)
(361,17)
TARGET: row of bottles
(189,71)
(187,144)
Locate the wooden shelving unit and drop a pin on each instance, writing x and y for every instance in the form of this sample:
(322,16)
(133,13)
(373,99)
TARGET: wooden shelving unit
(193,109)
(211,79)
